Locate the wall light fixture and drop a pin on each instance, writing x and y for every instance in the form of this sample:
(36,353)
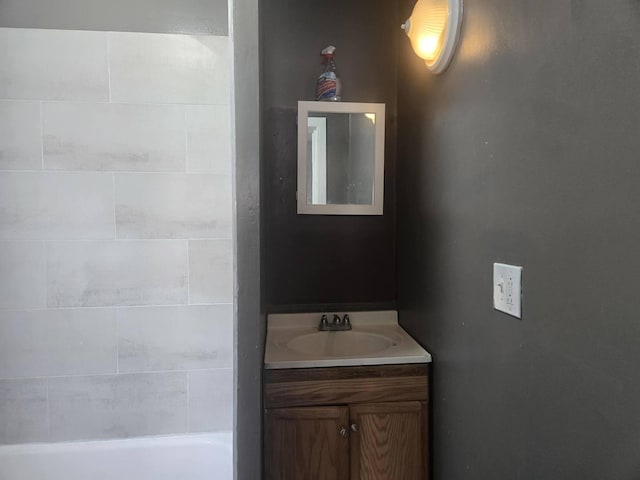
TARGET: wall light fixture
(434,28)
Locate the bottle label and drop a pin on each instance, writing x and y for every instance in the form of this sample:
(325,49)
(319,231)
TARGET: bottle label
(327,86)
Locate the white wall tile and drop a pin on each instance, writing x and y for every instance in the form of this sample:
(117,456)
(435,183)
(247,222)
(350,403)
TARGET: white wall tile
(102,136)
(20,136)
(210,271)
(169,68)
(23,411)
(50,206)
(116,273)
(175,338)
(109,406)
(207,389)
(57,342)
(209,138)
(173,206)
(22,277)
(58,248)
(53,65)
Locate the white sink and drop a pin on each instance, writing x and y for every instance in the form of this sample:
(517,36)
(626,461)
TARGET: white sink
(293,341)
(340,344)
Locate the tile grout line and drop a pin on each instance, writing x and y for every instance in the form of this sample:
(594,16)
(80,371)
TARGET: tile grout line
(110,239)
(117,312)
(115,219)
(108,64)
(188,272)
(44,272)
(113,307)
(188,403)
(186,140)
(120,102)
(122,172)
(121,374)
(48,413)
(42,135)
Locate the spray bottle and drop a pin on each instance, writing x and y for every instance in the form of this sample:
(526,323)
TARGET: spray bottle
(329,87)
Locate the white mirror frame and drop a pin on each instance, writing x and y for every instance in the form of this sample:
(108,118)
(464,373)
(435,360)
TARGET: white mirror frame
(378,186)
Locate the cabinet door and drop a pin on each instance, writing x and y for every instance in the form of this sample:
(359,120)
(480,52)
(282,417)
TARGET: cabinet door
(308,443)
(388,441)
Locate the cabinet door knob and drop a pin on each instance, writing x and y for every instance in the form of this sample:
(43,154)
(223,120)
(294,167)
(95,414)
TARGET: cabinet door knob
(354,427)
(343,432)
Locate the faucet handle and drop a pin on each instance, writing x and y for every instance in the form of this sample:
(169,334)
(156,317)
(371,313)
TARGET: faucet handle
(336,319)
(346,320)
(324,321)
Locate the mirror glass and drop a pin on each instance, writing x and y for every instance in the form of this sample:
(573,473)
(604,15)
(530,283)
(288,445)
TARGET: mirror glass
(340,158)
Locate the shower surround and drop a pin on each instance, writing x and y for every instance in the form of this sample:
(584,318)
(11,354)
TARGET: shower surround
(116,298)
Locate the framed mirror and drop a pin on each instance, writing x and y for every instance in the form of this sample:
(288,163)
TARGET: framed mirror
(341,158)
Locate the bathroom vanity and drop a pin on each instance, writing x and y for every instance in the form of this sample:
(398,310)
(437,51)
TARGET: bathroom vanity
(345,404)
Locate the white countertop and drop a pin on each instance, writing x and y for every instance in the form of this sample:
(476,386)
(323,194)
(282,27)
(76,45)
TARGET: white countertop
(293,341)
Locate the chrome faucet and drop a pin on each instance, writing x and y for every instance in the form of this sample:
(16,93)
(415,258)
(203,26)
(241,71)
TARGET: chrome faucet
(337,325)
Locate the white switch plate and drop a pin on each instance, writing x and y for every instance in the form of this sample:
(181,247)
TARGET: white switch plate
(507,289)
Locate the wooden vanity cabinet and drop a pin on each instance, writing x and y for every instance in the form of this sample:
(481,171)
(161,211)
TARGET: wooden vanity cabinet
(307,442)
(347,423)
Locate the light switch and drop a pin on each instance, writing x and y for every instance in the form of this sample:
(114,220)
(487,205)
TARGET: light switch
(507,289)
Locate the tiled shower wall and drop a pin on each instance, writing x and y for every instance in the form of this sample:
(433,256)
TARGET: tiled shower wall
(115,235)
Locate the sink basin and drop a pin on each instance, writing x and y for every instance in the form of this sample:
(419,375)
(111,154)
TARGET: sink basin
(293,341)
(340,344)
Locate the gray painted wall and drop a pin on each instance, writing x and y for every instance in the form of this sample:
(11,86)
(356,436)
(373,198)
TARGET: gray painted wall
(251,323)
(161,16)
(311,261)
(526,151)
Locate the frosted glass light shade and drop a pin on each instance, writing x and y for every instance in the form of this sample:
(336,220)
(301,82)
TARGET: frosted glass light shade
(434,28)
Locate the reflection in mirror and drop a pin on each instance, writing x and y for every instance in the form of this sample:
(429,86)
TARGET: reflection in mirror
(340,158)
(317,161)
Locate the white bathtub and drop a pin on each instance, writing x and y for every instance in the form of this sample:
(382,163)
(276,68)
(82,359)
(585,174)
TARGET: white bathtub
(188,457)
